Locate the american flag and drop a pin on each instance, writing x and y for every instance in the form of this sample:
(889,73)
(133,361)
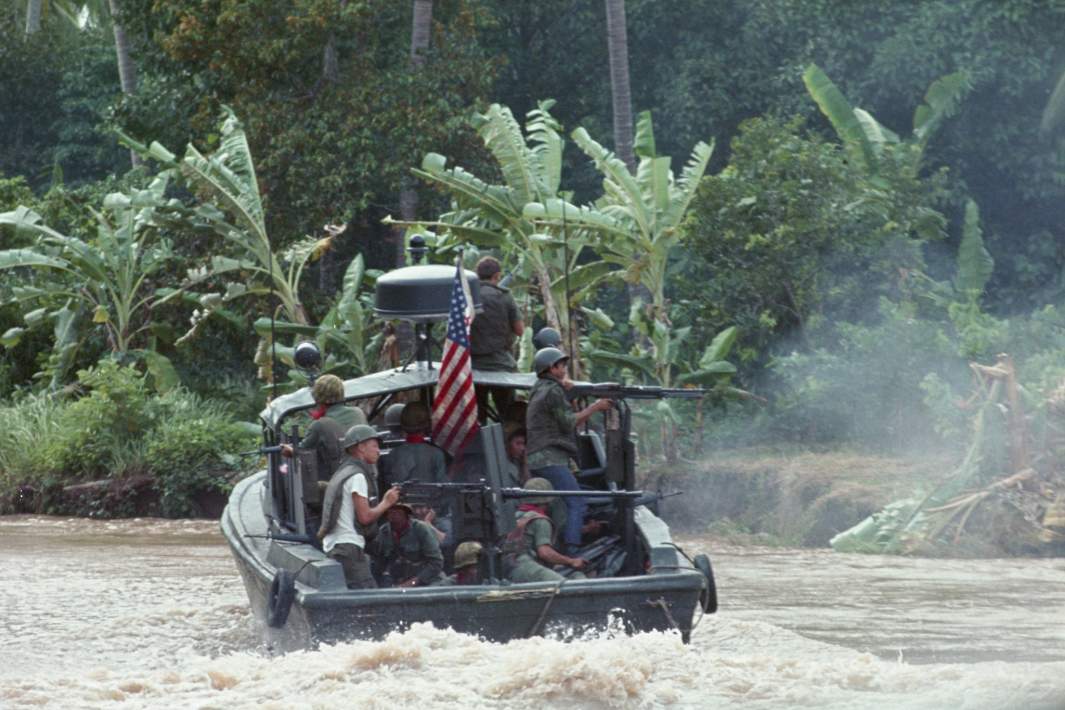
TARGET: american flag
(455,405)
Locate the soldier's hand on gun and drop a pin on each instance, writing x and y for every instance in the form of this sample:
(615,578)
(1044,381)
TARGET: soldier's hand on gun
(286,450)
(578,563)
(392,496)
(603,404)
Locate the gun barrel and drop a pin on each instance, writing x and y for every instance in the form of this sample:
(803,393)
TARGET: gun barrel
(615,391)
(526,493)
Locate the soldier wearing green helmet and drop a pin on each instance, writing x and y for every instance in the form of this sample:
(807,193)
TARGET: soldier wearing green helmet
(528,551)
(551,426)
(331,419)
(467,565)
(350,509)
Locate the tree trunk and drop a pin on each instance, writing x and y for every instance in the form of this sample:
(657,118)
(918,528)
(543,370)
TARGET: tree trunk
(33,17)
(127,71)
(330,75)
(618,47)
(419,42)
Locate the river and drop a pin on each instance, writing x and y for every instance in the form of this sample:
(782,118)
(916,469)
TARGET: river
(152,613)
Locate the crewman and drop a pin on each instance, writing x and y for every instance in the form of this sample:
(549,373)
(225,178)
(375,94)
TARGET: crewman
(331,420)
(515,472)
(392,419)
(408,551)
(350,511)
(492,333)
(416,459)
(528,553)
(547,337)
(467,566)
(551,439)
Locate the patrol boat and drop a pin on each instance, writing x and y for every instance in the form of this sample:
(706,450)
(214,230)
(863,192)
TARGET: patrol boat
(642,580)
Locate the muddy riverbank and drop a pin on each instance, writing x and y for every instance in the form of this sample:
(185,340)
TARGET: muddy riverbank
(798,499)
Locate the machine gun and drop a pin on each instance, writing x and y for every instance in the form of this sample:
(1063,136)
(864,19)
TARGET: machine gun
(653,498)
(262,451)
(421,492)
(594,555)
(612,390)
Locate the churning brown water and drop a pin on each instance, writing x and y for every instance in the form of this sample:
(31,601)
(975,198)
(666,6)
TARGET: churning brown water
(151,613)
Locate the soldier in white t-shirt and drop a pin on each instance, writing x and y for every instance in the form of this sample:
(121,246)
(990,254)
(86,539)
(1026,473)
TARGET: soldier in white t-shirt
(350,513)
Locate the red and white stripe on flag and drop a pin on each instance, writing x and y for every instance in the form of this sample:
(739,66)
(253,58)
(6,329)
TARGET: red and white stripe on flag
(455,404)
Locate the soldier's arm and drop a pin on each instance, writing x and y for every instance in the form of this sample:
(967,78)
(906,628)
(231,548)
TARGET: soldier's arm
(551,557)
(367,513)
(517,325)
(598,405)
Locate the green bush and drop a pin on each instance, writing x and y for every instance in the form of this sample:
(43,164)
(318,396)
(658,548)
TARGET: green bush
(791,236)
(118,428)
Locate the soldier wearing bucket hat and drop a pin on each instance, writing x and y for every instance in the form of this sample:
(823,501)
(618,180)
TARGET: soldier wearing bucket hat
(528,552)
(350,510)
(408,551)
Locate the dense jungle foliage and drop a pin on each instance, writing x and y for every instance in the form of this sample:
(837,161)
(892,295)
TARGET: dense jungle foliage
(861,201)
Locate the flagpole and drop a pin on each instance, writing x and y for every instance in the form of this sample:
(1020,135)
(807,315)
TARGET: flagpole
(565,273)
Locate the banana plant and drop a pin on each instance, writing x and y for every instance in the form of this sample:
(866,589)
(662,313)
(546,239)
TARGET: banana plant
(865,139)
(636,228)
(492,215)
(346,336)
(105,282)
(231,206)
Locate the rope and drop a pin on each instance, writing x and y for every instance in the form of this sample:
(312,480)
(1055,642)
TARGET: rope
(661,604)
(535,630)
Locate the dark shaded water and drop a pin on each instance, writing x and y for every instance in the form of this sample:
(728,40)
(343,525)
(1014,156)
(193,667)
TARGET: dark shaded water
(150,613)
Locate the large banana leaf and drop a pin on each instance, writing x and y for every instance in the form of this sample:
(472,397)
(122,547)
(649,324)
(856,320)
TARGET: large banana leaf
(644,144)
(503,138)
(941,101)
(584,275)
(617,181)
(492,199)
(547,147)
(840,114)
(686,185)
(15,258)
(642,365)
(719,348)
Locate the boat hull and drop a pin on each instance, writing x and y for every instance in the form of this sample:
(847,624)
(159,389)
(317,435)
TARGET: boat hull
(324,610)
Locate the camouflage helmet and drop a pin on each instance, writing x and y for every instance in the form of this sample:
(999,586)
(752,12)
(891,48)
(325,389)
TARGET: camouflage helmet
(358,434)
(328,389)
(467,554)
(538,484)
(547,338)
(392,415)
(415,417)
(546,358)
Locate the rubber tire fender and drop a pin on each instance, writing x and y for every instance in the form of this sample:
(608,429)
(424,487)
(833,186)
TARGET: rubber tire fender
(279,601)
(708,596)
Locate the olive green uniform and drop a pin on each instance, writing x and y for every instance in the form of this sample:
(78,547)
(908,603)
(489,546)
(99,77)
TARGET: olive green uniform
(324,434)
(413,462)
(550,426)
(492,331)
(524,565)
(415,554)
